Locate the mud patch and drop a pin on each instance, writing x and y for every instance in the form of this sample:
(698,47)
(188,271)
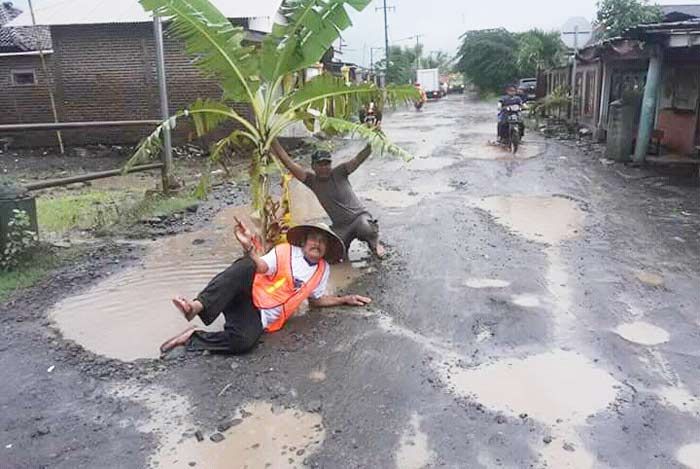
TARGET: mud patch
(485,283)
(643,333)
(690,455)
(413,451)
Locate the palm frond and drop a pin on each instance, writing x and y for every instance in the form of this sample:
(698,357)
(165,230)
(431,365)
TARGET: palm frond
(206,115)
(376,138)
(312,27)
(325,89)
(214,42)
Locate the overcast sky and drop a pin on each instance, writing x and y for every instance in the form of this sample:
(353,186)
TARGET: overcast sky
(441,22)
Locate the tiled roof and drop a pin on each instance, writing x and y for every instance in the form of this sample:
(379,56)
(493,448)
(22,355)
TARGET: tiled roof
(20,39)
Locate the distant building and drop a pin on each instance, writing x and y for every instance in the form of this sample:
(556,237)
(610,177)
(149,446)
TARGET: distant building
(102,67)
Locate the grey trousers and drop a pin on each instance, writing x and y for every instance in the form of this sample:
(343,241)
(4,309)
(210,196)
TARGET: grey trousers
(364,227)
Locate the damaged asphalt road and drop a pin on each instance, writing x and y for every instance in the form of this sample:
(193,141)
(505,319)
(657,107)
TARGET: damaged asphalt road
(538,311)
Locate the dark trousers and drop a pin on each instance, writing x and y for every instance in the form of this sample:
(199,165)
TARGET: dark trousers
(230,293)
(364,227)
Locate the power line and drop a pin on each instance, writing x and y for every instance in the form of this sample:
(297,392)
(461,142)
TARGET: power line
(386,8)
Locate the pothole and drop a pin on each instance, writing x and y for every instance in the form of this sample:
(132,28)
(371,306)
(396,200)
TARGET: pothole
(526,300)
(550,387)
(649,278)
(259,434)
(128,315)
(485,283)
(689,455)
(543,219)
(643,333)
(413,451)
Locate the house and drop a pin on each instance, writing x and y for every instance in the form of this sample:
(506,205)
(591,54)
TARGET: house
(102,67)
(608,70)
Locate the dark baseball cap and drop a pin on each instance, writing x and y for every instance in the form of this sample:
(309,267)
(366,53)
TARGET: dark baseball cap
(320,155)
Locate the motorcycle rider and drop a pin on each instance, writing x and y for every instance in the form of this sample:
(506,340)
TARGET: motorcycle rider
(423,96)
(511,98)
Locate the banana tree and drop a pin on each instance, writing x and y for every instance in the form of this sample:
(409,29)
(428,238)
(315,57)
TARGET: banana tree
(268,78)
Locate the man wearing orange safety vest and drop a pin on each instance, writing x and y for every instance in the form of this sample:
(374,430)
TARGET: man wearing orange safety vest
(259,294)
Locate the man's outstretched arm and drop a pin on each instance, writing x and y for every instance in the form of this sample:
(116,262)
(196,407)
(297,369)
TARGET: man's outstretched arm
(360,158)
(330,300)
(296,169)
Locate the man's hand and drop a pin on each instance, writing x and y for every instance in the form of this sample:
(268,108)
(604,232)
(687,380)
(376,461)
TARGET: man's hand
(356,300)
(244,235)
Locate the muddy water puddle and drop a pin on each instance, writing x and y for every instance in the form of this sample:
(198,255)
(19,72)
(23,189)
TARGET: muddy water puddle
(260,434)
(643,333)
(689,455)
(128,315)
(543,219)
(413,451)
(486,283)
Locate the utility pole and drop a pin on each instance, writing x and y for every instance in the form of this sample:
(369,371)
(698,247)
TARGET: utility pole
(49,85)
(166,172)
(575,33)
(418,36)
(386,8)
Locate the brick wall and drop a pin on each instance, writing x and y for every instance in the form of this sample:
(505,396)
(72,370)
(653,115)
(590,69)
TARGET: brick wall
(107,72)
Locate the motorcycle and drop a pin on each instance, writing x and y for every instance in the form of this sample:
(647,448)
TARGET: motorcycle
(369,115)
(516,127)
(419,105)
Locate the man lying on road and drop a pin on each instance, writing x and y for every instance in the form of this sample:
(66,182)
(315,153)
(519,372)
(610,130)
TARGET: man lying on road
(332,188)
(259,294)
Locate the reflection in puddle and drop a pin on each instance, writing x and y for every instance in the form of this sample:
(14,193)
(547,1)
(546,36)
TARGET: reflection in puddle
(413,451)
(690,455)
(485,283)
(262,434)
(643,333)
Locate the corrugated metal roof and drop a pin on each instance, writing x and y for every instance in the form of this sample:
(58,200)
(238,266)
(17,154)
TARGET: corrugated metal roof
(25,38)
(690,10)
(69,12)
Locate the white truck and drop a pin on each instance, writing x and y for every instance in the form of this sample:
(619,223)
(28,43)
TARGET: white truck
(429,80)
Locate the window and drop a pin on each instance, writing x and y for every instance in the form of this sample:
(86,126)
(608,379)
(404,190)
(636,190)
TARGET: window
(23,77)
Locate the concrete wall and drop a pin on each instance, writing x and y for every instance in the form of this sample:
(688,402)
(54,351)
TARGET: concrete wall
(107,72)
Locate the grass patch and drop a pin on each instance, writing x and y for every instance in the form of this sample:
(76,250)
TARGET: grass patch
(102,210)
(32,270)
(62,213)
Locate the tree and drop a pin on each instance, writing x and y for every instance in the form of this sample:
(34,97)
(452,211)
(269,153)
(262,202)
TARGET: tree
(402,64)
(538,50)
(488,58)
(440,60)
(615,16)
(493,58)
(267,79)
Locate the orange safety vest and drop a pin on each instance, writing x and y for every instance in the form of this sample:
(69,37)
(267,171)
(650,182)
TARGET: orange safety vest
(272,292)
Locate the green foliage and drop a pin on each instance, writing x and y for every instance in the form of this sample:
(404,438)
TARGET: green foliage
(538,50)
(493,58)
(262,77)
(615,16)
(404,61)
(21,239)
(488,58)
